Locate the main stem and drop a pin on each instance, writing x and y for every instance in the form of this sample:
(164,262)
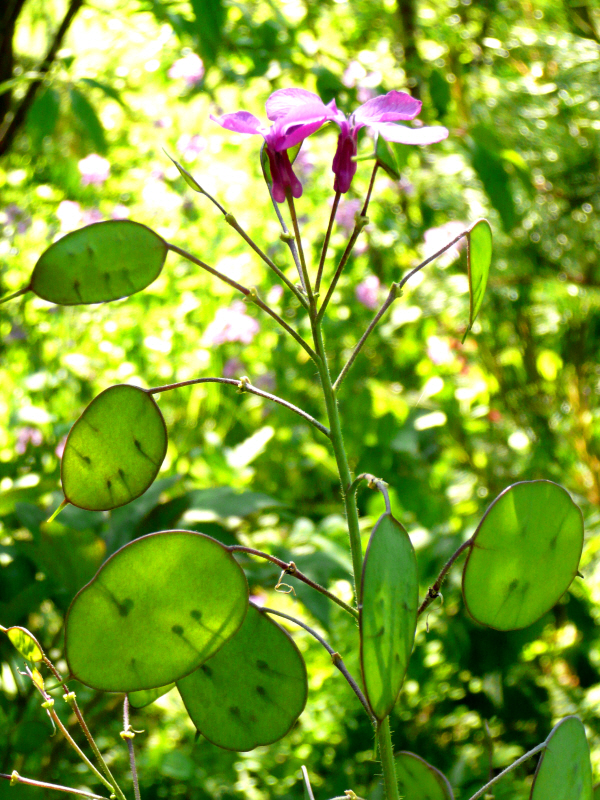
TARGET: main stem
(386,754)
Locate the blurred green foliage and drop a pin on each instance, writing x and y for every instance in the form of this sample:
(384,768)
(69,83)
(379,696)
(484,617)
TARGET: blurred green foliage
(447,425)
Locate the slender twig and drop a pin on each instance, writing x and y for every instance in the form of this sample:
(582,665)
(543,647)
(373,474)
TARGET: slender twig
(306,279)
(16,778)
(361,221)
(244,385)
(12,296)
(72,701)
(373,483)
(289,568)
(334,208)
(431,258)
(287,237)
(335,657)
(504,772)
(434,590)
(394,293)
(128,734)
(251,294)
(231,220)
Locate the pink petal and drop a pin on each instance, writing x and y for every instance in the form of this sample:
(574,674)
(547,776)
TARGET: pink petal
(288,133)
(239,121)
(404,135)
(284,101)
(388,107)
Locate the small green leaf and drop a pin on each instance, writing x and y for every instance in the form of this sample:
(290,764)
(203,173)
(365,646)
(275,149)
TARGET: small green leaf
(419,780)
(156,610)
(388,615)
(101,262)
(479,258)
(88,119)
(26,643)
(115,449)
(108,90)
(187,177)
(597,791)
(386,158)
(252,691)
(524,557)
(564,771)
(144,698)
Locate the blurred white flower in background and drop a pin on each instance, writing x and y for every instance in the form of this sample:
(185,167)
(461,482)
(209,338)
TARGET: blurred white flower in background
(436,238)
(189,68)
(94,170)
(231,324)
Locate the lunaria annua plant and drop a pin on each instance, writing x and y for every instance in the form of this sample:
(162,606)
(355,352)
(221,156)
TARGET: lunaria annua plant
(171,609)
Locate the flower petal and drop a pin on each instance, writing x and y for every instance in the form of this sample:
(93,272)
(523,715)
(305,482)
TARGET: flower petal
(388,107)
(404,135)
(240,122)
(288,132)
(284,101)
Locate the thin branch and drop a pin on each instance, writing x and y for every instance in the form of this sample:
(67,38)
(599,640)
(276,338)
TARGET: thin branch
(128,734)
(335,657)
(372,483)
(517,763)
(26,103)
(12,296)
(334,208)
(287,237)
(394,293)
(249,293)
(16,778)
(434,591)
(244,385)
(361,222)
(431,258)
(291,569)
(304,271)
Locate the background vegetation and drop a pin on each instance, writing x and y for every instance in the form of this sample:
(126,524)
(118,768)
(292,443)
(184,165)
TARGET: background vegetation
(448,425)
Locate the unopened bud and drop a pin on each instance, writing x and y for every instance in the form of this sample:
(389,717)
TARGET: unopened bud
(70,698)
(229,218)
(127,735)
(243,384)
(48,704)
(14,777)
(286,236)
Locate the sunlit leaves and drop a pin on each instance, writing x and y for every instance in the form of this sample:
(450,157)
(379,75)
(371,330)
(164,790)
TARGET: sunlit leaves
(252,691)
(479,259)
(115,449)
(419,780)
(156,610)
(525,555)
(25,643)
(564,770)
(388,614)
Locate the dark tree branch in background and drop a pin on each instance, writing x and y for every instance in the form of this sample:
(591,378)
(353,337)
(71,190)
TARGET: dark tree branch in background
(8,20)
(17,121)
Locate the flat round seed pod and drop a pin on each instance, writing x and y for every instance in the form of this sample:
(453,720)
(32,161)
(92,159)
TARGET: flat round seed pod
(26,643)
(419,780)
(115,449)
(145,697)
(101,262)
(252,691)
(156,610)
(564,771)
(479,259)
(524,557)
(388,613)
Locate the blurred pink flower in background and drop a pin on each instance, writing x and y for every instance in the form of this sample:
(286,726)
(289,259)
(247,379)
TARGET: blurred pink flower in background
(71,215)
(367,291)
(26,436)
(275,294)
(94,170)
(439,350)
(233,368)
(60,447)
(190,68)
(232,324)
(190,146)
(120,212)
(15,215)
(436,238)
(346,213)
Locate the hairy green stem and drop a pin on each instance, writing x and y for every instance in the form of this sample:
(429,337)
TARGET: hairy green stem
(386,754)
(128,735)
(518,762)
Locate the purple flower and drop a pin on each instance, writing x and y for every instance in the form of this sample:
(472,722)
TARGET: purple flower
(367,292)
(346,213)
(189,68)
(232,368)
(94,170)
(232,324)
(380,113)
(295,114)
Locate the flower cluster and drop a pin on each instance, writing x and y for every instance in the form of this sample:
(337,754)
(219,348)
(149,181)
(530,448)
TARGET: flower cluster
(297,113)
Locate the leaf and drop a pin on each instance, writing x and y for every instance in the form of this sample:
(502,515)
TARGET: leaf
(479,258)
(386,158)
(145,697)
(26,643)
(252,691)
(115,449)
(210,18)
(388,614)
(187,177)
(155,611)
(88,119)
(489,167)
(564,771)
(43,115)
(108,90)
(439,90)
(101,262)
(419,780)
(524,557)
